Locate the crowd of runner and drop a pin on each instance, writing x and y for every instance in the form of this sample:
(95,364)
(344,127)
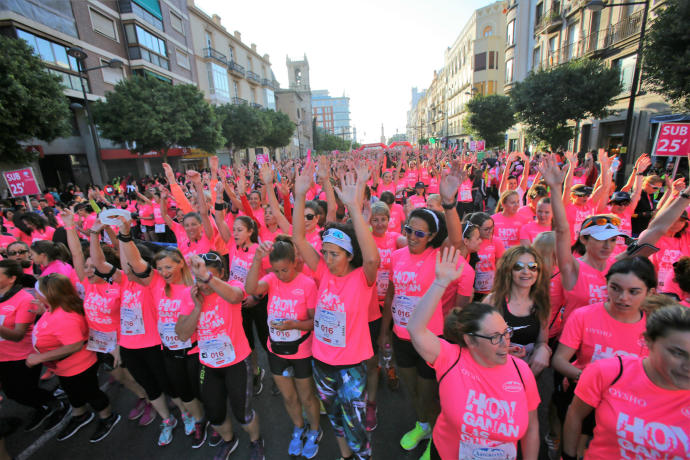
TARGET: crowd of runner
(466,280)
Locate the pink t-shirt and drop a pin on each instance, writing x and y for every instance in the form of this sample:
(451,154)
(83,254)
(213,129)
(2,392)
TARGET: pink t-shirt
(13,311)
(526,214)
(670,250)
(416,201)
(157,215)
(169,309)
(595,334)
(138,316)
(489,252)
(146,214)
(386,244)
(102,306)
(241,262)
(589,289)
(397,218)
(530,231)
(507,229)
(36,235)
(188,247)
(635,419)
(557,305)
(465,191)
(58,328)
(290,300)
(433,185)
(385,188)
(341,327)
(576,215)
(484,410)
(222,341)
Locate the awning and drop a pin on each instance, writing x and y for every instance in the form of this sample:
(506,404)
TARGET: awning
(124,154)
(676,117)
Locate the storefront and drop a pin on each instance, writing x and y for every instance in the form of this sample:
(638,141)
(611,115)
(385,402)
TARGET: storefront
(123,162)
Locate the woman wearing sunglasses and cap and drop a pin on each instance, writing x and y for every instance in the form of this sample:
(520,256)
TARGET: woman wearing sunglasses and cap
(347,277)
(411,274)
(475,372)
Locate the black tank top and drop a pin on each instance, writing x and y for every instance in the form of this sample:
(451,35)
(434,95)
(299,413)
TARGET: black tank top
(525,328)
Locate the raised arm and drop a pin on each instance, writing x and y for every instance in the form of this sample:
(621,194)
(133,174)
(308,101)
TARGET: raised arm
(131,254)
(267,178)
(506,173)
(324,174)
(663,220)
(525,171)
(303,183)
(176,190)
(252,285)
(219,215)
(201,203)
(74,243)
(568,183)
(448,189)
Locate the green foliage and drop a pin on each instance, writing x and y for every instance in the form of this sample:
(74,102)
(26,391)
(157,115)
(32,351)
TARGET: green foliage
(423,141)
(667,53)
(158,116)
(243,126)
(400,137)
(546,100)
(32,104)
(489,118)
(327,142)
(278,129)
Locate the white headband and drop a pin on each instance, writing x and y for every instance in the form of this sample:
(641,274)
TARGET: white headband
(339,238)
(36,288)
(433,214)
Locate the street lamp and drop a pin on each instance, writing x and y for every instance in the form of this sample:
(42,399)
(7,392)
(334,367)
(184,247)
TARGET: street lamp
(598,5)
(80,55)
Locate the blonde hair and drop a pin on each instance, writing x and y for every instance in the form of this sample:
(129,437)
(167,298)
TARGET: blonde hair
(504,196)
(380,208)
(61,293)
(176,256)
(545,244)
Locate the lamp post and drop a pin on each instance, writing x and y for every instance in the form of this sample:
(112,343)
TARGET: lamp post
(80,55)
(598,5)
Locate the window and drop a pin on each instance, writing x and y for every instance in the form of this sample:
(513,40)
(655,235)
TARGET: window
(148,10)
(626,68)
(148,74)
(510,33)
(231,54)
(111,75)
(509,70)
(151,48)
(249,64)
(103,24)
(176,23)
(493,59)
(488,31)
(552,44)
(573,36)
(536,56)
(182,58)
(235,89)
(479,62)
(218,81)
(209,42)
(539,12)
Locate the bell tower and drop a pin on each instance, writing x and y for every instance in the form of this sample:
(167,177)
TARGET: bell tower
(298,74)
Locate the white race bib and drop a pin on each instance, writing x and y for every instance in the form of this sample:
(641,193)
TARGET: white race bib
(471,451)
(159,228)
(103,342)
(2,323)
(289,335)
(131,321)
(403,306)
(238,274)
(329,327)
(216,352)
(465,194)
(483,281)
(382,277)
(170,338)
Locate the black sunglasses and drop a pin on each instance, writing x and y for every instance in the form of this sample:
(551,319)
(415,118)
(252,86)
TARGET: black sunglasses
(17,253)
(519,266)
(418,233)
(309,216)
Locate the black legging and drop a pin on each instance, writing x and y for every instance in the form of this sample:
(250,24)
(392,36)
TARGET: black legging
(83,388)
(223,383)
(147,367)
(20,383)
(256,315)
(182,373)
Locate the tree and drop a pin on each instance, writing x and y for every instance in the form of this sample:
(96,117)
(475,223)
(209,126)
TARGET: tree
(398,137)
(32,104)
(279,130)
(242,126)
(667,53)
(423,141)
(489,118)
(547,100)
(327,142)
(158,116)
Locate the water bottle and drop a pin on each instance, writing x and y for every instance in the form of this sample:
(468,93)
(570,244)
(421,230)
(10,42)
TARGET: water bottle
(387,356)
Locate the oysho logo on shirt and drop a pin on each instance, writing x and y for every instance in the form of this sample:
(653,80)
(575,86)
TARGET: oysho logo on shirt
(625,396)
(601,332)
(298,291)
(512,386)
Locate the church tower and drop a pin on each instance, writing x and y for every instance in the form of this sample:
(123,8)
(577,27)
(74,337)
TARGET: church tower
(298,74)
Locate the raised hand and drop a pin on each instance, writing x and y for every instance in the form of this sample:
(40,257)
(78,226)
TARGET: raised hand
(348,192)
(97,226)
(198,267)
(197,296)
(304,180)
(552,174)
(447,269)
(266,174)
(193,176)
(263,249)
(67,217)
(324,170)
(125,225)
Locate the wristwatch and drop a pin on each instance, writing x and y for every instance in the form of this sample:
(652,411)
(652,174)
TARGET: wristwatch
(685,195)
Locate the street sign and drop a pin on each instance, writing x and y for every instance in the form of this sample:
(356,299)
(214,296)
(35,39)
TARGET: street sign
(672,140)
(21,182)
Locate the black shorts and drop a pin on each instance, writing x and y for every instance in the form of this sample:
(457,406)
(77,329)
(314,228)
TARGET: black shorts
(301,368)
(147,368)
(407,356)
(375,332)
(231,383)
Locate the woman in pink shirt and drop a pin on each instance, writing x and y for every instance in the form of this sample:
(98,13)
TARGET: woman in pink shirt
(475,371)
(507,223)
(59,338)
(418,199)
(641,404)
(54,258)
(291,305)
(36,228)
(397,213)
(490,250)
(341,344)
(530,230)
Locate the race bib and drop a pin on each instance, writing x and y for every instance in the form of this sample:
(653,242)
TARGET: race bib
(238,274)
(159,228)
(471,451)
(216,352)
(170,338)
(131,321)
(382,277)
(102,342)
(403,306)
(465,194)
(289,335)
(2,323)
(483,281)
(329,327)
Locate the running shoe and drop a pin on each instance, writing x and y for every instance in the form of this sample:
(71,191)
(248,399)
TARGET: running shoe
(393,380)
(57,416)
(59,393)
(311,443)
(322,409)
(256,450)
(371,422)
(412,438)
(75,424)
(553,445)
(296,442)
(427,452)
(226,448)
(138,409)
(259,381)
(188,422)
(40,415)
(149,415)
(214,439)
(199,434)
(105,426)
(167,427)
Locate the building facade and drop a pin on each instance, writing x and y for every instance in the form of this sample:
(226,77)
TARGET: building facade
(332,113)
(295,101)
(413,132)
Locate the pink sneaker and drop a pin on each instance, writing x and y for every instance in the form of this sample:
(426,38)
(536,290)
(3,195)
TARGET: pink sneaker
(148,416)
(371,423)
(138,409)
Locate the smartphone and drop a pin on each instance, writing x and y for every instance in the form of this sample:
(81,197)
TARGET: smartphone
(641,250)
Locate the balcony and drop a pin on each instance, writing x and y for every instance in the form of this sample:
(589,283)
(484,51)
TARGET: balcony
(622,30)
(239,101)
(216,55)
(551,20)
(236,69)
(251,76)
(267,83)
(511,4)
(256,106)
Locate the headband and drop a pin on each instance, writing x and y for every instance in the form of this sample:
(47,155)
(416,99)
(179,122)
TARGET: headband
(36,288)
(433,214)
(339,238)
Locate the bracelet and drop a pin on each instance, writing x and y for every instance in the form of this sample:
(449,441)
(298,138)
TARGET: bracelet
(124,238)
(219,206)
(70,228)
(207,280)
(448,207)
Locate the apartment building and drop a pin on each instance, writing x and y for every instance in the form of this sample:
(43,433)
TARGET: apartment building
(332,113)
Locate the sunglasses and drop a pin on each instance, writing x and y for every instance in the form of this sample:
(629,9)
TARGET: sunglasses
(531,266)
(496,338)
(17,253)
(211,257)
(309,216)
(418,233)
(601,220)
